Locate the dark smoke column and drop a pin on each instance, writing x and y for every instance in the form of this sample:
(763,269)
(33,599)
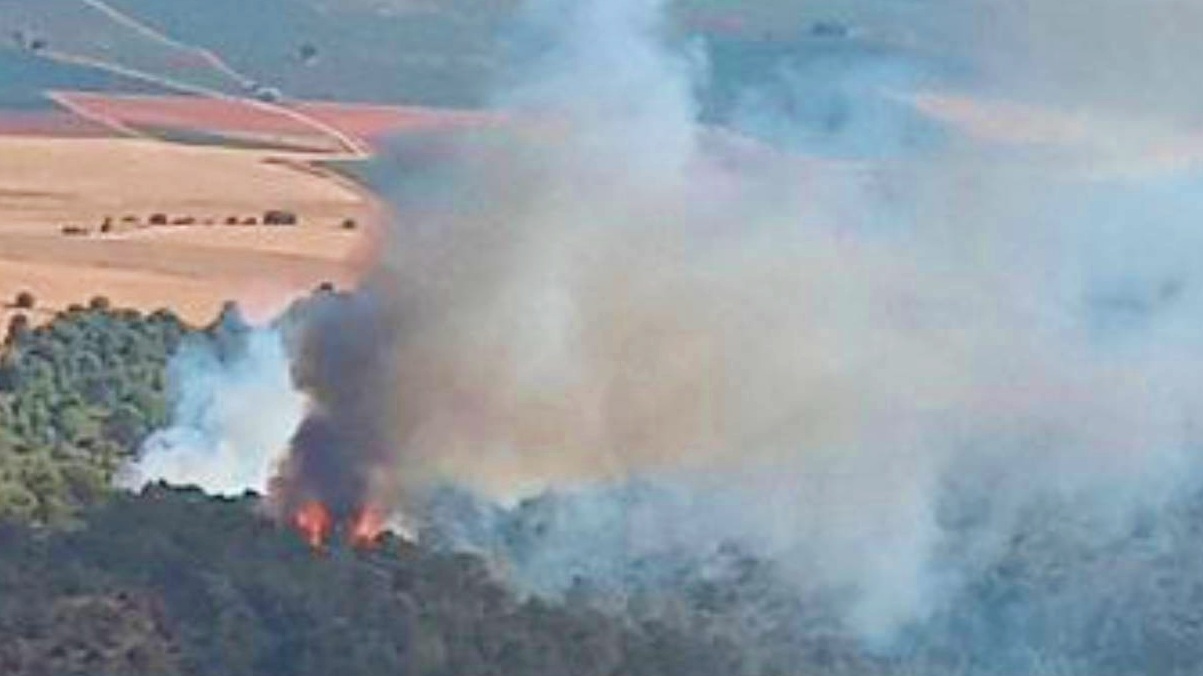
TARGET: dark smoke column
(342,454)
(361,358)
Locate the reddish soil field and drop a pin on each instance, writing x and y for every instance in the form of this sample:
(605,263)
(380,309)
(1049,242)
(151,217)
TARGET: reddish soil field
(301,120)
(374,121)
(185,112)
(49,123)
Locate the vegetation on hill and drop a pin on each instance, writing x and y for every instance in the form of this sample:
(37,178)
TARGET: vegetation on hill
(77,397)
(174,582)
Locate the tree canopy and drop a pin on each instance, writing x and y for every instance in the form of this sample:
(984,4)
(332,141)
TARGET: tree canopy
(77,397)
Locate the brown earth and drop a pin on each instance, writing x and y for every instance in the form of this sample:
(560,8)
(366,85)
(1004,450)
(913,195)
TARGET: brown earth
(50,184)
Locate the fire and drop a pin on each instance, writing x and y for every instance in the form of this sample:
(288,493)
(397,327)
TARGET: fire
(366,527)
(314,522)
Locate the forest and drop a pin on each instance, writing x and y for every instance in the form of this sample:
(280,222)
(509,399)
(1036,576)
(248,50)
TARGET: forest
(170,581)
(77,397)
(173,582)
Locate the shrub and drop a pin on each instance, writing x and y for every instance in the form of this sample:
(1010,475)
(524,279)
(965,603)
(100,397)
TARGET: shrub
(279,217)
(25,301)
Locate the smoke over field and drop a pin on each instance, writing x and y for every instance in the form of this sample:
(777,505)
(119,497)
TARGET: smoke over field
(922,386)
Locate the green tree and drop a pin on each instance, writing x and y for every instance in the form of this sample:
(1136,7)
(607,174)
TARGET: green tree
(78,395)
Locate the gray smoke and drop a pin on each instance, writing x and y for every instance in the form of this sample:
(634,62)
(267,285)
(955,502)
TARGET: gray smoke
(233,409)
(885,375)
(343,450)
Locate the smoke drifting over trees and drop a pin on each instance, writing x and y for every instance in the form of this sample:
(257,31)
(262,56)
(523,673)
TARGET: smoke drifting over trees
(888,378)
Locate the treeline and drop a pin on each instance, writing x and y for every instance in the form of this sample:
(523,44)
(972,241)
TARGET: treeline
(172,582)
(77,397)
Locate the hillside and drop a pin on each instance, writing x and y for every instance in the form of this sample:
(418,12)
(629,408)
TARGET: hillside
(170,581)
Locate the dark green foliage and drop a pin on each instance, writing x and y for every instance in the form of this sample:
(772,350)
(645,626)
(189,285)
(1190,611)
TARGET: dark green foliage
(77,397)
(180,583)
(92,635)
(307,53)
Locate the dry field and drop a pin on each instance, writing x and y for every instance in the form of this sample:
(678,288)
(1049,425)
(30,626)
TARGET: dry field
(48,184)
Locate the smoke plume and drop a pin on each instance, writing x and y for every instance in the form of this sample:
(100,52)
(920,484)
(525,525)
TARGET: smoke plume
(871,371)
(234,409)
(340,452)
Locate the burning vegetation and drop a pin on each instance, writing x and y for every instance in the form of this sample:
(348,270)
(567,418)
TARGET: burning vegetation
(335,479)
(314,521)
(366,527)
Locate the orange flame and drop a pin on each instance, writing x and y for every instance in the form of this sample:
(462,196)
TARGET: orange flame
(314,522)
(366,527)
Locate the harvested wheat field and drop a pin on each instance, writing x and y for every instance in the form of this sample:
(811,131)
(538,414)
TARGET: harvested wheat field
(150,224)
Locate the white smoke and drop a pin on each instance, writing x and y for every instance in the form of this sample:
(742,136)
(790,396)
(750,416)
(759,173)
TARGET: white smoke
(232,417)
